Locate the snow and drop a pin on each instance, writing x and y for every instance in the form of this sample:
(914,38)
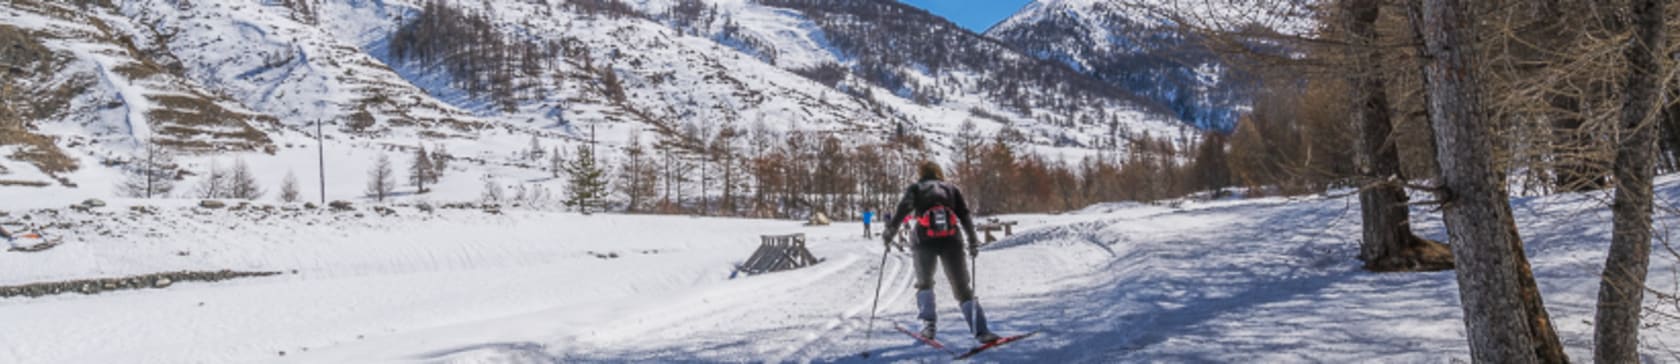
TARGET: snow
(287,74)
(1287,17)
(1260,280)
(1267,280)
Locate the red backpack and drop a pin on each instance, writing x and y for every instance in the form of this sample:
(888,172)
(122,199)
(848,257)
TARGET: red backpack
(937,221)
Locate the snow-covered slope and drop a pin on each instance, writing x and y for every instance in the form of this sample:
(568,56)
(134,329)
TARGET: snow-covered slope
(271,61)
(1134,44)
(929,69)
(1277,282)
(237,80)
(101,84)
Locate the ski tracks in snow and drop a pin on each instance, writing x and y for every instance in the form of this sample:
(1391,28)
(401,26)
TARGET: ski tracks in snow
(776,317)
(855,319)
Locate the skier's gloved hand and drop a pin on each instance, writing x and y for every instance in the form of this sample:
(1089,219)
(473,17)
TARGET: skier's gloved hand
(973,246)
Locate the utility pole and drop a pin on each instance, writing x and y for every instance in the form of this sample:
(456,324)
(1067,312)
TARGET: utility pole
(321,153)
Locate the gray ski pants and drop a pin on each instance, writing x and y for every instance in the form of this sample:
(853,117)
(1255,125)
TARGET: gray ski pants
(947,252)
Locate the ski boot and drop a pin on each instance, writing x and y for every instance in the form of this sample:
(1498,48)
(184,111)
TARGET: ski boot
(926,312)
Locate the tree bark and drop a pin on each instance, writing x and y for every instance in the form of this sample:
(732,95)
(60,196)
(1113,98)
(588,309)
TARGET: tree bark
(1621,290)
(1670,132)
(1505,319)
(1389,244)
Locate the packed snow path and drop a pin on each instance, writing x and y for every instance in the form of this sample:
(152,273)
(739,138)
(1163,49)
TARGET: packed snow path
(1267,280)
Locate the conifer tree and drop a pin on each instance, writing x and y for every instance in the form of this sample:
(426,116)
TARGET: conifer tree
(587,183)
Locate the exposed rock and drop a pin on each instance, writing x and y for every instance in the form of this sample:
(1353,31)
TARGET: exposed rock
(93,203)
(93,286)
(341,205)
(37,247)
(212,204)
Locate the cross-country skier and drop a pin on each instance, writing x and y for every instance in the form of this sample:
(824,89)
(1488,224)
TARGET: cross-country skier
(939,212)
(868,217)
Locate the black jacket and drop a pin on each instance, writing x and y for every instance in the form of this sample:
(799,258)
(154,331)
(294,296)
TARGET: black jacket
(915,201)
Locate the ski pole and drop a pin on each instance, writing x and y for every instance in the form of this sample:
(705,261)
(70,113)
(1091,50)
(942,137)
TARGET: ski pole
(974,271)
(869,332)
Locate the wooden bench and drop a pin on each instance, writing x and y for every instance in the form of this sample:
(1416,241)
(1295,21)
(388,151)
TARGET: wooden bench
(992,225)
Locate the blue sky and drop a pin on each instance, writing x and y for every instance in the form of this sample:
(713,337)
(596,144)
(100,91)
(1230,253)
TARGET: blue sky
(976,15)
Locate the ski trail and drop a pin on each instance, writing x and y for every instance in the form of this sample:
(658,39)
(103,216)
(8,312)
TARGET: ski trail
(902,279)
(713,303)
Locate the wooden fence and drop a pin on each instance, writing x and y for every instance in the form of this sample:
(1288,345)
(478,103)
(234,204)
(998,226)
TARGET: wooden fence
(778,253)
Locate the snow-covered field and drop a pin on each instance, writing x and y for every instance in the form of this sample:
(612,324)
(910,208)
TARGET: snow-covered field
(1265,280)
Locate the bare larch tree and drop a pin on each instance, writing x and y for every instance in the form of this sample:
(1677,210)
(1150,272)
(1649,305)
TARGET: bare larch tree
(1621,289)
(1389,244)
(1506,322)
(381,179)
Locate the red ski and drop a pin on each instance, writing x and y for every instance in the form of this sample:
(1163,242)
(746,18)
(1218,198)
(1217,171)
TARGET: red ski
(988,346)
(925,340)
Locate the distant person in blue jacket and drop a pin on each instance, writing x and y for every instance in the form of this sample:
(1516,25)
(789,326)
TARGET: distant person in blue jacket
(868,217)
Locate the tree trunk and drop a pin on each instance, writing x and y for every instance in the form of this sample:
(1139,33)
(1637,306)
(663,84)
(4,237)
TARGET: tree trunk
(1670,135)
(1505,319)
(1389,244)
(1621,290)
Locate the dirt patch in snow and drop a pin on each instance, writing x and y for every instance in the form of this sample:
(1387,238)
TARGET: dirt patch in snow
(28,62)
(95,286)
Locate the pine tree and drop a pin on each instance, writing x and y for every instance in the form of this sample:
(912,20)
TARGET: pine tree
(289,188)
(588,183)
(420,173)
(151,174)
(380,179)
(242,184)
